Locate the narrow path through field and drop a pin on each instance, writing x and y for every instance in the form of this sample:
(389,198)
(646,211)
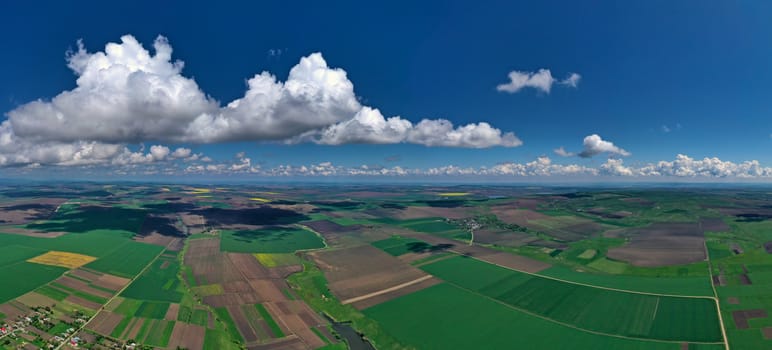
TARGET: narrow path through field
(715,294)
(66,340)
(575,327)
(387,290)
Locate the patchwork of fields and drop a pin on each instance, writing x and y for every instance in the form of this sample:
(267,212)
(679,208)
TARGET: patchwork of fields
(408,268)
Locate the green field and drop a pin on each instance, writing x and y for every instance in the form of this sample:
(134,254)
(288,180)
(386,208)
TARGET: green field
(157,283)
(270,321)
(697,286)
(75,292)
(397,245)
(53,293)
(448,317)
(12,254)
(635,315)
(160,333)
(274,240)
(96,243)
(216,339)
(230,326)
(121,327)
(128,260)
(435,226)
(23,277)
(128,307)
(152,309)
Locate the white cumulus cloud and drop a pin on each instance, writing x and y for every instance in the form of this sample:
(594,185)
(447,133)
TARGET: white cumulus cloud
(128,94)
(541,80)
(594,145)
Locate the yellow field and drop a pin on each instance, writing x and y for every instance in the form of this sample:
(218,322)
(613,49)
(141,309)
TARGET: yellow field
(588,254)
(277,259)
(63,259)
(453,194)
(261,200)
(200,190)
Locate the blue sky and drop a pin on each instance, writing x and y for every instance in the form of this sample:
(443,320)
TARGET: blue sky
(658,78)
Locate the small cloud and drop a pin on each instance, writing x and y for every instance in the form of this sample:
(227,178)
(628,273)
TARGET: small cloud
(594,145)
(563,153)
(666,129)
(541,80)
(572,80)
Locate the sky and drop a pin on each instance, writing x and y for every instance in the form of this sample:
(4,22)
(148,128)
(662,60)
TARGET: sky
(519,91)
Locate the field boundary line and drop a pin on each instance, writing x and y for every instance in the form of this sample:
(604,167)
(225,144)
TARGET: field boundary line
(102,308)
(715,293)
(577,327)
(386,290)
(585,284)
(434,261)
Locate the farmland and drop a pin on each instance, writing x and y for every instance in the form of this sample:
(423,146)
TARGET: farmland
(476,320)
(270,240)
(406,267)
(639,315)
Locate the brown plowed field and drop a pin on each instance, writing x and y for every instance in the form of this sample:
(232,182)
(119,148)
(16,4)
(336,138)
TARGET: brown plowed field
(299,328)
(132,333)
(237,287)
(82,286)
(111,282)
(11,312)
(155,238)
(293,343)
(171,312)
(361,305)
(741,317)
(83,302)
(105,322)
(87,275)
(267,290)
(361,270)
(242,323)
(414,212)
(33,299)
(187,336)
(513,215)
(503,237)
(248,265)
(766,332)
(512,261)
(662,244)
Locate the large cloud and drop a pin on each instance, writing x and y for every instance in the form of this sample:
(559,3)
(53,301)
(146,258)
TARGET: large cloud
(126,94)
(594,145)
(123,94)
(541,80)
(370,126)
